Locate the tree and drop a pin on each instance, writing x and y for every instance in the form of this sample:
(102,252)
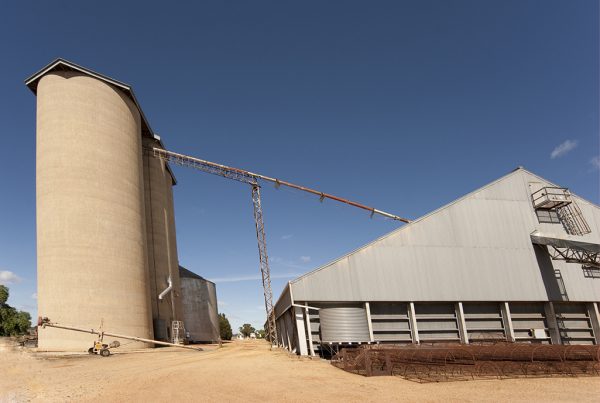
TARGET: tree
(246,329)
(12,322)
(261,333)
(3,294)
(224,327)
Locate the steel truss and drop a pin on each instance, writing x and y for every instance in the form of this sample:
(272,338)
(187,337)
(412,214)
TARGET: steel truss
(244,177)
(252,179)
(264,263)
(570,255)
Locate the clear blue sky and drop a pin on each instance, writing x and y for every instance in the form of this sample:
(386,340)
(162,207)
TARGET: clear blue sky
(403,105)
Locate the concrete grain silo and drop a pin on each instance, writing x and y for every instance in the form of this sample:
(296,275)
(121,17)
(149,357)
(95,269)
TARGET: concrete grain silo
(200,313)
(91,222)
(163,264)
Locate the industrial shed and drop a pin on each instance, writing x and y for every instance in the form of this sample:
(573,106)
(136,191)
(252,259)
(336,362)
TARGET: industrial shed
(516,260)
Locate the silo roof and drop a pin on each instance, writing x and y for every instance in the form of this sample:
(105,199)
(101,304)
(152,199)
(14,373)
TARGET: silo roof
(65,65)
(183,272)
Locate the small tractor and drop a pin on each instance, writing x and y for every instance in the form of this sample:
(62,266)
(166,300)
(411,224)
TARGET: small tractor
(103,349)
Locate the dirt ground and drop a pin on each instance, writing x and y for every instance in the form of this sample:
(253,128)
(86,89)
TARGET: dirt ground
(245,371)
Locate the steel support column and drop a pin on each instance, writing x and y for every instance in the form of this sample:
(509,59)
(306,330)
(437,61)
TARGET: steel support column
(552,323)
(509,329)
(300,330)
(412,318)
(311,347)
(369,323)
(462,324)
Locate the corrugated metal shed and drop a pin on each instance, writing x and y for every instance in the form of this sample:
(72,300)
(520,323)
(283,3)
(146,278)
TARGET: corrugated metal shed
(477,248)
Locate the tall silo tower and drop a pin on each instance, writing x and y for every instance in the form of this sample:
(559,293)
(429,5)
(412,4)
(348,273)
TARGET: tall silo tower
(163,264)
(91,229)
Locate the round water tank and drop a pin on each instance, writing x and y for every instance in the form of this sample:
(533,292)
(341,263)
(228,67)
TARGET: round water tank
(343,324)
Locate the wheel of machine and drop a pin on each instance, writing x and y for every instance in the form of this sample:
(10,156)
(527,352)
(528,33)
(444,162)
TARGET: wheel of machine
(91,350)
(105,352)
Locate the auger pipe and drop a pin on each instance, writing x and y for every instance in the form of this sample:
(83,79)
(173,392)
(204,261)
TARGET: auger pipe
(119,336)
(170,154)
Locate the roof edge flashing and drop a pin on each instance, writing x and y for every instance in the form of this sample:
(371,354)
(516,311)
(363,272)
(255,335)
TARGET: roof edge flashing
(31,81)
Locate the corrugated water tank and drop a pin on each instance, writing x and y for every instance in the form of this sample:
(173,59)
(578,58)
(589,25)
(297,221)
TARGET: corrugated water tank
(344,324)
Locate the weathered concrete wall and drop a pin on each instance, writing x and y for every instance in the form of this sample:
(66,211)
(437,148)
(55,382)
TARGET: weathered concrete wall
(162,244)
(91,235)
(199,297)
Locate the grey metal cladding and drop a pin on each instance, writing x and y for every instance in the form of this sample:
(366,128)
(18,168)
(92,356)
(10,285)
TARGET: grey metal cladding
(477,248)
(284,302)
(200,312)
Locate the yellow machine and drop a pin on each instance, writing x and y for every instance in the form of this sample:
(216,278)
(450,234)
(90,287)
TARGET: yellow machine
(103,349)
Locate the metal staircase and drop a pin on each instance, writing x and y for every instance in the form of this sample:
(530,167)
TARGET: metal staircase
(178,332)
(559,200)
(572,219)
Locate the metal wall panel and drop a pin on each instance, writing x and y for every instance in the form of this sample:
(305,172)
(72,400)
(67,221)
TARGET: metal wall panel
(390,322)
(283,303)
(437,322)
(290,330)
(475,249)
(315,325)
(574,323)
(280,331)
(200,310)
(343,323)
(526,316)
(484,322)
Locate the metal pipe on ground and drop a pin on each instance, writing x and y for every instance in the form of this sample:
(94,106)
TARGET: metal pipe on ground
(46,322)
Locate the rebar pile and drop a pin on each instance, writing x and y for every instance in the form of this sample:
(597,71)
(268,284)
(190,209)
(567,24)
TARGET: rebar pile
(438,363)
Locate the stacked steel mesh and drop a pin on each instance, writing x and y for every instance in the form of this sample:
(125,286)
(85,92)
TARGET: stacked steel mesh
(437,363)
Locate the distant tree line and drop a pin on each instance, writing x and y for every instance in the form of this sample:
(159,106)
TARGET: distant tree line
(12,321)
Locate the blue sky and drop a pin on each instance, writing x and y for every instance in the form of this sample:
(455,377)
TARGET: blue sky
(402,105)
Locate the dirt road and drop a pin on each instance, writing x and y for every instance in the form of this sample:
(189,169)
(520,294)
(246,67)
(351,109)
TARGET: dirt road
(246,371)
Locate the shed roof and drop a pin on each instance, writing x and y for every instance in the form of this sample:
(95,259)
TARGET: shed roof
(416,221)
(476,248)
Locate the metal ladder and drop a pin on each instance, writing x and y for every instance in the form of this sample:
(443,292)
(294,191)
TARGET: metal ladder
(178,332)
(572,219)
